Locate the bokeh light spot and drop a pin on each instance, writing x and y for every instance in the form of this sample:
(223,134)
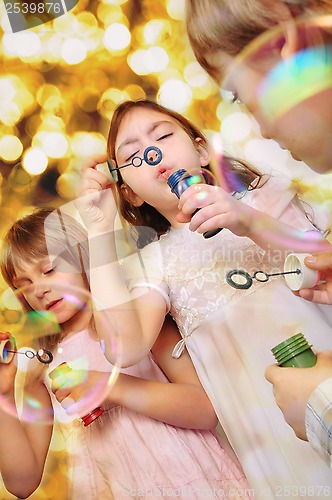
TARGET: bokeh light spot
(10,148)
(54,144)
(87,144)
(27,44)
(35,161)
(73,51)
(156,59)
(117,37)
(175,94)
(176,9)
(235,127)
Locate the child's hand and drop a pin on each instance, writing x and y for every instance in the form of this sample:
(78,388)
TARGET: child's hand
(7,372)
(218,209)
(322,293)
(83,397)
(292,387)
(95,203)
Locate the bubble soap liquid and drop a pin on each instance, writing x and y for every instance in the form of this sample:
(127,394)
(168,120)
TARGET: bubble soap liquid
(295,352)
(62,369)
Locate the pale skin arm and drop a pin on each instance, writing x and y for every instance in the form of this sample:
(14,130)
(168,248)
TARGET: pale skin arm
(321,293)
(292,388)
(181,402)
(138,320)
(23,445)
(220,209)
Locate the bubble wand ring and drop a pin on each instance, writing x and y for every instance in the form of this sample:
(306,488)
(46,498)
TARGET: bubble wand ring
(39,355)
(137,161)
(249,279)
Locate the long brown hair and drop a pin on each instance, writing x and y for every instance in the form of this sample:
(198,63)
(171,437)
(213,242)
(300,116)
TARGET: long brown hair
(42,233)
(230,25)
(146,217)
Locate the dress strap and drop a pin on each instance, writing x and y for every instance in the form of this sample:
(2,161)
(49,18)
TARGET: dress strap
(179,348)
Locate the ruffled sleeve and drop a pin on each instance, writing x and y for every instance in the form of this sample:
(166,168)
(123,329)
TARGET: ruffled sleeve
(144,269)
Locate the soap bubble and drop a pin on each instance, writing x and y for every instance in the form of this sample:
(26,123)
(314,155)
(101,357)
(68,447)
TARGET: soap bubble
(64,331)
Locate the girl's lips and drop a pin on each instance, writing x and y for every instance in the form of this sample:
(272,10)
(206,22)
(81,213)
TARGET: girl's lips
(53,305)
(165,173)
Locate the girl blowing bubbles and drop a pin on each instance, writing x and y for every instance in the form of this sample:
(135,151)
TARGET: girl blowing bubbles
(228,333)
(134,448)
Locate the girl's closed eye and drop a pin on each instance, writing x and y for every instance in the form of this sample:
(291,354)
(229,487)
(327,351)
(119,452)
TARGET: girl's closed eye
(164,136)
(132,156)
(50,270)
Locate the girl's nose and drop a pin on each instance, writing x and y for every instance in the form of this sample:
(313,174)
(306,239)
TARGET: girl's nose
(40,289)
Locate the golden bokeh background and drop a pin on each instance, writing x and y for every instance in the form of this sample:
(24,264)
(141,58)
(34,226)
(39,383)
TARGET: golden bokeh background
(59,84)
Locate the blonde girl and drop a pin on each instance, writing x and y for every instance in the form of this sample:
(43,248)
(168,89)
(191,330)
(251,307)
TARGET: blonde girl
(155,437)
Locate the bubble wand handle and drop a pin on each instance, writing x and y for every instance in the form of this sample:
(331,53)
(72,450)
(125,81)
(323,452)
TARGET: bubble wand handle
(179,181)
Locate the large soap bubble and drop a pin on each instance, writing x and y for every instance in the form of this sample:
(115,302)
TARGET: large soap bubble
(41,341)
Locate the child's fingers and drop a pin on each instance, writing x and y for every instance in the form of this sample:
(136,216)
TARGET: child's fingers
(74,404)
(215,222)
(319,294)
(92,161)
(92,179)
(61,394)
(5,335)
(207,217)
(271,373)
(67,403)
(59,383)
(190,193)
(320,261)
(183,218)
(104,169)
(197,200)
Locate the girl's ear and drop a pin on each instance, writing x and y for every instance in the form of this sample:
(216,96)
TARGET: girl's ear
(131,196)
(203,152)
(292,42)
(288,28)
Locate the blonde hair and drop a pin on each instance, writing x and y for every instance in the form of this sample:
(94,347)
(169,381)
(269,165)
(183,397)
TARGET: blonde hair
(45,232)
(230,25)
(146,217)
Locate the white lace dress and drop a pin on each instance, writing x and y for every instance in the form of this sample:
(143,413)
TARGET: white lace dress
(229,334)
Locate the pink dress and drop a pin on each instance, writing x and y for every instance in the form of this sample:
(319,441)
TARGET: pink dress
(124,454)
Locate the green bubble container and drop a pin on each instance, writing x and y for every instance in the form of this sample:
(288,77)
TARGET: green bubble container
(295,352)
